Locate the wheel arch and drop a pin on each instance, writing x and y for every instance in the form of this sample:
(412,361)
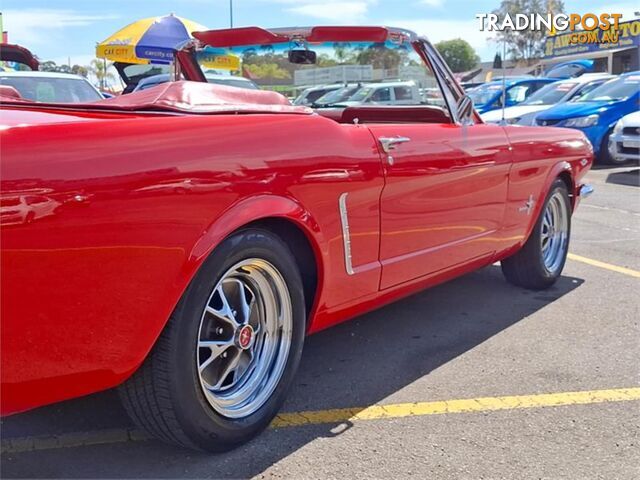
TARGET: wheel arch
(568,180)
(282,216)
(301,248)
(560,170)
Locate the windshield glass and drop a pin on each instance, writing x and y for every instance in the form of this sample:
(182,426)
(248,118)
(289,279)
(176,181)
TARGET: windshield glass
(615,90)
(550,94)
(338,69)
(138,71)
(566,71)
(336,96)
(586,89)
(361,94)
(233,82)
(54,90)
(484,94)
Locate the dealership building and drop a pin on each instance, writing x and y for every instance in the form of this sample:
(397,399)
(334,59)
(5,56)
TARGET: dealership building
(610,52)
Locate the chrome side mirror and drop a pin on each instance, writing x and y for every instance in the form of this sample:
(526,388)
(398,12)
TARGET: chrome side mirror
(465,110)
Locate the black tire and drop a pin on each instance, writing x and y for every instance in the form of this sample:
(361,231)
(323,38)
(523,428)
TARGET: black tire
(165,397)
(526,268)
(605,157)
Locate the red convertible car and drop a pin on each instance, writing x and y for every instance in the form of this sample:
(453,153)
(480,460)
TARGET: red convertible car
(197,232)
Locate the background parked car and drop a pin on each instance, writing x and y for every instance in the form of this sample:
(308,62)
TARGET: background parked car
(549,95)
(387,93)
(571,69)
(311,94)
(337,96)
(597,112)
(19,209)
(51,87)
(624,141)
(228,80)
(488,97)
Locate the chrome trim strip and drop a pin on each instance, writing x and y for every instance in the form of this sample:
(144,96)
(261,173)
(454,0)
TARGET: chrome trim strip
(346,238)
(586,190)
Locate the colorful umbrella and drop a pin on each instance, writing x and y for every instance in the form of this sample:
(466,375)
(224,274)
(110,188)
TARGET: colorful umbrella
(150,40)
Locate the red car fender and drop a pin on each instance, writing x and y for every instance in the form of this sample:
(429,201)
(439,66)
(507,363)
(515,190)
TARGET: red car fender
(554,172)
(252,209)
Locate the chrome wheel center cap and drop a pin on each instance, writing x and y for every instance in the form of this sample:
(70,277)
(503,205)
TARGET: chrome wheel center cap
(244,337)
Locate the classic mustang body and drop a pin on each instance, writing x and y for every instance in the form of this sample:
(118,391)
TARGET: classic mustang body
(144,195)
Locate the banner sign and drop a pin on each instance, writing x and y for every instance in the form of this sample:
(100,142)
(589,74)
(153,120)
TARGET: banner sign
(627,35)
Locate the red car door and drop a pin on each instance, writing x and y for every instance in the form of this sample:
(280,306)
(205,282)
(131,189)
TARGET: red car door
(444,196)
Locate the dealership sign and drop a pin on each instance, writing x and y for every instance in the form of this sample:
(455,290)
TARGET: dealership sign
(626,35)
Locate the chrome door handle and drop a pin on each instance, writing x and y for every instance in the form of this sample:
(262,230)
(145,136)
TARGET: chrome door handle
(391,143)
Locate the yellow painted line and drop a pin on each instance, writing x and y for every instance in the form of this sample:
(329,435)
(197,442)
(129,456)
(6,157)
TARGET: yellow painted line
(606,266)
(471,405)
(341,415)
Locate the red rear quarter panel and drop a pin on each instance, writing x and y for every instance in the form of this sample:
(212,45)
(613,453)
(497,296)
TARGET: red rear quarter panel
(136,205)
(540,155)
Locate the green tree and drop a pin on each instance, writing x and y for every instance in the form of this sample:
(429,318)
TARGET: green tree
(100,69)
(526,45)
(48,66)
(459,55)
(268,71)
(81,70)
(497,61)
(380,56)
(324,60)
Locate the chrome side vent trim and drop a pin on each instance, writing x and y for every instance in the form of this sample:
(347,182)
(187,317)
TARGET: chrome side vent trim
(346,237)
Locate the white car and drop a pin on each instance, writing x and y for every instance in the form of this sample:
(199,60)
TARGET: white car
(19,209)
(549,95)
(311,94)
(386,93)
(228,80)
(624,141)
(51,86)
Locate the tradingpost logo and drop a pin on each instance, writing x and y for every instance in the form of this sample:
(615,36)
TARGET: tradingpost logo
(583,29)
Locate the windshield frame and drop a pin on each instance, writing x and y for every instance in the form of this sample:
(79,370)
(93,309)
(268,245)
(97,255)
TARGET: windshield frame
(185,60)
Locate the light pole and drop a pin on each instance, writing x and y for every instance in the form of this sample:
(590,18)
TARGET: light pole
(231,13)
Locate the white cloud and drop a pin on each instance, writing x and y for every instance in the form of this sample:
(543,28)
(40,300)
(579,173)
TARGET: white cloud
(437,30)
(34,26)
(432,3)
(335,11)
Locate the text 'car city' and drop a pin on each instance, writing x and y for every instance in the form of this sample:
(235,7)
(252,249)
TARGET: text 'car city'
(195,233)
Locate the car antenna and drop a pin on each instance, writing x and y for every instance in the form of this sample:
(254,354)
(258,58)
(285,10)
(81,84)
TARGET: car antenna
(504,78)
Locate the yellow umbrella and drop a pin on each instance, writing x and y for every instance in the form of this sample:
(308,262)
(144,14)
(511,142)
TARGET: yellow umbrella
(150,40)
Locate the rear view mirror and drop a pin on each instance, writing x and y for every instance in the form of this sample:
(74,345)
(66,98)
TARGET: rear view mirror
(302,57)
(465,110)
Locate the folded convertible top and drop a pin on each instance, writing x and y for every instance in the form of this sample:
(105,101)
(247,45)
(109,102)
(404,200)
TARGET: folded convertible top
(184,97)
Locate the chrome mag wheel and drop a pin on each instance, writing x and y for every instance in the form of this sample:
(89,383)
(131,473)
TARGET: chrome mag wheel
(555,232)
(244,338)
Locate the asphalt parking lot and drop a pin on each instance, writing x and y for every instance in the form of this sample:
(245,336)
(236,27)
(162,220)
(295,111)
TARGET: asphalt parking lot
(547,383)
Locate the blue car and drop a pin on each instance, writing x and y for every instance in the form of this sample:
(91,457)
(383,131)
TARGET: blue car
(597,112)
(488,96)
(571,69)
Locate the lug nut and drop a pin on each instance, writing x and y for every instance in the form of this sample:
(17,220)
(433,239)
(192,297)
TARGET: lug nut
(219,330)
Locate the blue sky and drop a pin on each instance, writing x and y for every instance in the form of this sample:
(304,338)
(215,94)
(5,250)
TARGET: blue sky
(58,29)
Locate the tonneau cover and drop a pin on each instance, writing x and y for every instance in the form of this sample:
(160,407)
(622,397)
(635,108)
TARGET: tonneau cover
(184,97)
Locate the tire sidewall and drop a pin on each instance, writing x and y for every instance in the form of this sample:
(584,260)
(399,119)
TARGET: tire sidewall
(605,156)
(207,428)
(557,186)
